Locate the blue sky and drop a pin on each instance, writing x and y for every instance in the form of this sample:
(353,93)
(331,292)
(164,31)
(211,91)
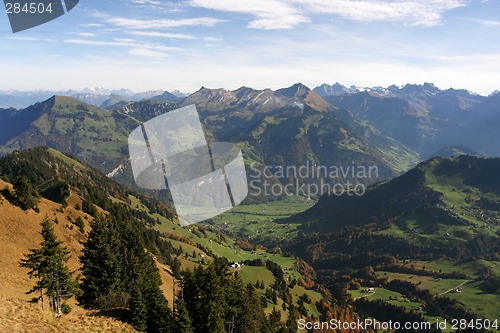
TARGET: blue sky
(153,44)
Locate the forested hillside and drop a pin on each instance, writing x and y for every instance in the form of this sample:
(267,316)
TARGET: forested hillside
(125,267)
(427,241)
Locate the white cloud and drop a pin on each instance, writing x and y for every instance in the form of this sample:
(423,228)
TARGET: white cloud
(409,12)
(162,23)
(146,2)
(146,53)
(97,42)
(285,14)
(212,39)
(86,34)
(125,40)
(32,39)
(488,23)
(136,48)
(161,34)
(91,25)
(268,14)
(156,7)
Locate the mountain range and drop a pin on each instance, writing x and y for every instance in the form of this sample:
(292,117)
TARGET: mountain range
(93,96)
(286,127)
(423,117)
(391,128)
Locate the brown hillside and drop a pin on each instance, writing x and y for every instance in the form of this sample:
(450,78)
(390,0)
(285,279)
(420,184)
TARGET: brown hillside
(17,316)
(19,232)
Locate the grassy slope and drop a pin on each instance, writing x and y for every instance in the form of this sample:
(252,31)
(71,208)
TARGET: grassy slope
(224,247)
(256,222)
(396,299)
(220,247)
(458,202)
(472,296)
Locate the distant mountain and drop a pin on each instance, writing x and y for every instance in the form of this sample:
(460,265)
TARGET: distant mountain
(425,118)
(294,125)
(15,122)
(165,97)
(136,97)
(94,135)
(107,98)
(455,151)
(333,90)
(93,96)
(179,93)
(145,110)
(18,99)
(113,100)
(95,99)
(338,90)
(97,136)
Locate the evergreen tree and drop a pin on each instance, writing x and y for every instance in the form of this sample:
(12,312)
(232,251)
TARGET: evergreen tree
(89,208)
(274,297)
(114,261)
(275,320)
(33,261)
(144,274)
(49,265)
(176,268)
(101,262)
(139,311)
(204,296)
(234,294)
(217,301)
(25,193)
(160,319)
(183,321)
(212,300)
(252,317)
(80,224)
(291,322)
